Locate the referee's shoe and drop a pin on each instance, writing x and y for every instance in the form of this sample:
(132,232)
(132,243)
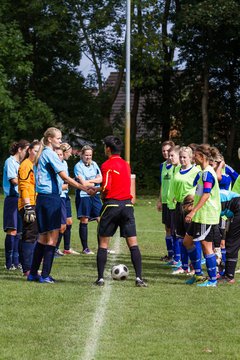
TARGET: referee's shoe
(140,283)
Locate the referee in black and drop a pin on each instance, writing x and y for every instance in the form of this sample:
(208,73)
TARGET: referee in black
(117,210)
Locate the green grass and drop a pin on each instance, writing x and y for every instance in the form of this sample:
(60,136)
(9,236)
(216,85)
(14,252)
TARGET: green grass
(166,320)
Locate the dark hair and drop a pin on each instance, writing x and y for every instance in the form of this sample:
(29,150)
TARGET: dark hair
(168,143)
(16,145)
(193,146)
(114,143)
(31,146)
(34,143)
(210,152)
(188,199)
(216,155)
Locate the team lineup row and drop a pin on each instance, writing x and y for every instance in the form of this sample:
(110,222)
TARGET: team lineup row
(37,209)
(200,212)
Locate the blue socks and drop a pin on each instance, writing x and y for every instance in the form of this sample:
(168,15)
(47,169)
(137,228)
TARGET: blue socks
(169,245)
(223,251)
(211,267)
(195,259)
(9,244)
(37,258)
(176,249)
(83,234)
(184,255)
(27,255)
(67,237)
(47,260)
(59,240)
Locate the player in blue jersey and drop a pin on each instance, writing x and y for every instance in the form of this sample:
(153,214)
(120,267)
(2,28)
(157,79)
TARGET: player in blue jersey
(64,153)
(226,174)
(88,173)
(12,223)
(230,203)
(226,178)
(48,205)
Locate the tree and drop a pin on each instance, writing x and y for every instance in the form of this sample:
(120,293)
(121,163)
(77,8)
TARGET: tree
(209,32)
(17,106)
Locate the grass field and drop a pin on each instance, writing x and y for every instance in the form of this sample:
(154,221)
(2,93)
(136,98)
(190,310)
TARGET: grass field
(73,319)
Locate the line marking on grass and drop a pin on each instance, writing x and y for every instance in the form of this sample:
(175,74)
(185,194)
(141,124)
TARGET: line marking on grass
(99,315)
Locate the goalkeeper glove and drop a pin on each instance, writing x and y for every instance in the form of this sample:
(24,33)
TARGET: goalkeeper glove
(29,214)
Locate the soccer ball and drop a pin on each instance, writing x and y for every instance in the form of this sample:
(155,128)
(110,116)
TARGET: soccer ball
(120,272)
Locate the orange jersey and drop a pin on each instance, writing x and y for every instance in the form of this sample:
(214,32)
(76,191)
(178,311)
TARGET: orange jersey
(26,183)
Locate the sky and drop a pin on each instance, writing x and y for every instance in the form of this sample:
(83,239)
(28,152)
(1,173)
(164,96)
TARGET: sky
(86,67)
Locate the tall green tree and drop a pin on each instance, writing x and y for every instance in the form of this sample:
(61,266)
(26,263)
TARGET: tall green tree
(20,110)
(209,33)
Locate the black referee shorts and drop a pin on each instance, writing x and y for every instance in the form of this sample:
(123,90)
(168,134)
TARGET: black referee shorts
(114,214)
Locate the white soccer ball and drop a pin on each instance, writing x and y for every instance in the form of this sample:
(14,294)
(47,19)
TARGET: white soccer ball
(120,272)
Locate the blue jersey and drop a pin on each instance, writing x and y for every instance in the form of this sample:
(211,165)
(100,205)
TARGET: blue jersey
(231,173)
(10,171)
(64,192)
(208,181)
(49,165)
(225,182)
(230,202)
(87,173)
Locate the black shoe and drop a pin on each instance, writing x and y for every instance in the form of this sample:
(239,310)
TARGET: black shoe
(99,282)
(140,283)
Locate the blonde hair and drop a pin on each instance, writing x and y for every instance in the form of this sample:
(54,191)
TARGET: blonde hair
(65,147)
(85,148)
(50,132)
(188,150)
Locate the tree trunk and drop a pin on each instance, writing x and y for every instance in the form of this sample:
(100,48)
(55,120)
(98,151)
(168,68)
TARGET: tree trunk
(205,98)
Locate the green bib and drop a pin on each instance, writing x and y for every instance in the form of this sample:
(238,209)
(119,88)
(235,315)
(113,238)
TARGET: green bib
(183,184)
(166,176)
(171,202)
(209,213)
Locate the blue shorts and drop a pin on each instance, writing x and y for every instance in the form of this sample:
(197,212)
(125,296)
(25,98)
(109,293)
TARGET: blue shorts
(11,217)
(48,211)
(88,206)
(63,211)
(68,207)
